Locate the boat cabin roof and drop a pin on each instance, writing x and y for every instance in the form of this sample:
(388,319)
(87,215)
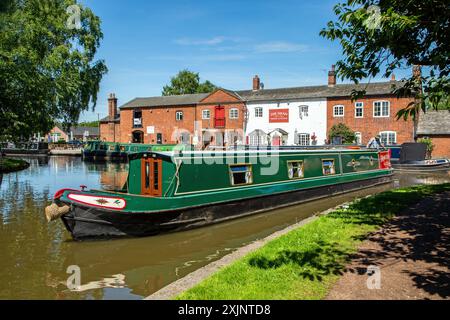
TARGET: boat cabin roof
(169,155)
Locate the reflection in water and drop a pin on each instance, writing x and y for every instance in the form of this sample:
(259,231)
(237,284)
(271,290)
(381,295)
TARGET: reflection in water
(35,255)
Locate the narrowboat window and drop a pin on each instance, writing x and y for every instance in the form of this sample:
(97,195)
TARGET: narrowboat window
(155,176)
(241,174)
(295,169)
(147,174)
(328,167)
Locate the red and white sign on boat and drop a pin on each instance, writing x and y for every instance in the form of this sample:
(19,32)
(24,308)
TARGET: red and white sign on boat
(385,160)
(99,201)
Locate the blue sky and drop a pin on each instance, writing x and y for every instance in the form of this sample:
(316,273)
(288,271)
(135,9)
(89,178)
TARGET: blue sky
(147,42)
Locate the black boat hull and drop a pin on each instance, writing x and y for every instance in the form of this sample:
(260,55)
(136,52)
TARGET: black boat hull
(93,223)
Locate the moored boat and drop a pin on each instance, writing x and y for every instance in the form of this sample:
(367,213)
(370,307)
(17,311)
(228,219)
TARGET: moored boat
(182,189)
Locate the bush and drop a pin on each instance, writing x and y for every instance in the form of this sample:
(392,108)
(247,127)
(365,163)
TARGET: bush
(430,145)
(341,130)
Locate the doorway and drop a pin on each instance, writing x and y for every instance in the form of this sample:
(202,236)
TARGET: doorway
(138,137)
(151,174)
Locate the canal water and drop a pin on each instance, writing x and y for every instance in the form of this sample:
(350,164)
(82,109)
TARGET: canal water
(35,256)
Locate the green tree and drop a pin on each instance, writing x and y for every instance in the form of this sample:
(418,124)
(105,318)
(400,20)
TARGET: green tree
(430,145)
(379,36)
(341,130)
(48,70)
(187,82)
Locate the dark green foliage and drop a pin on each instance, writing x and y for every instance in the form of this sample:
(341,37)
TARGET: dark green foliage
(378,37)
(187,82)
(11,165)
(341,130)
(47,70)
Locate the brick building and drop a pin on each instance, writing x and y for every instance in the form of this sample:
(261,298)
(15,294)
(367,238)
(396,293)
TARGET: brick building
(436,126)
(201,119)
(301,115)
(79,133)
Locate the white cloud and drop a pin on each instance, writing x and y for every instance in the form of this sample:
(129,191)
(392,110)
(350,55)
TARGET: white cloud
(280,46)
(200,58)
(200,42)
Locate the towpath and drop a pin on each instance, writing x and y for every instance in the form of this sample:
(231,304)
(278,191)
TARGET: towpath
(411,252)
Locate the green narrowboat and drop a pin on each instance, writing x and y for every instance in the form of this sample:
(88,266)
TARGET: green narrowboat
(182,189)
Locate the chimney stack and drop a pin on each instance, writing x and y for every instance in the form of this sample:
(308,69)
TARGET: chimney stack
(393,77)
(332,76)
(256,83)
(112,106)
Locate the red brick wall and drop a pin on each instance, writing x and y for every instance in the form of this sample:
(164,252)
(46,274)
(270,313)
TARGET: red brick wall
(370,126)
(110,132)
(228,101)
(162,118)
(441,146)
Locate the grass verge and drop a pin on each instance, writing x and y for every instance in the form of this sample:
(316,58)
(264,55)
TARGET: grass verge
(306,262)
(12,165)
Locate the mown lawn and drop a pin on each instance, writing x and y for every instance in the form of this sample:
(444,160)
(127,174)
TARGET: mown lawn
(306,262)
(11,165)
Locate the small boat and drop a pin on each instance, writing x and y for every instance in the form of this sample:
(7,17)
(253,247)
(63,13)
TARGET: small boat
(412,157)
(183,189)
(25,148)
(423,165)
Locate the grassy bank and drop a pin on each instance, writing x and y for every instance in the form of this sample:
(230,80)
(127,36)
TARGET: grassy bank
(12,165)
(306,262)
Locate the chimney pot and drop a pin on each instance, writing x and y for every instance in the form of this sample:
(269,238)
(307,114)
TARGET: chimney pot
(393,77)
(256,83)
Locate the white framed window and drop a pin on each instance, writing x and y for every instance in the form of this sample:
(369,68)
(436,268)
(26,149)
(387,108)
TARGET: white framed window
(234,113)
(338,111)
(303,111)
(388,137)
(206,114)
(258,112)
(304,139)
(358,138)
(381,109)
(359,110)
(257,140)
(179,115)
